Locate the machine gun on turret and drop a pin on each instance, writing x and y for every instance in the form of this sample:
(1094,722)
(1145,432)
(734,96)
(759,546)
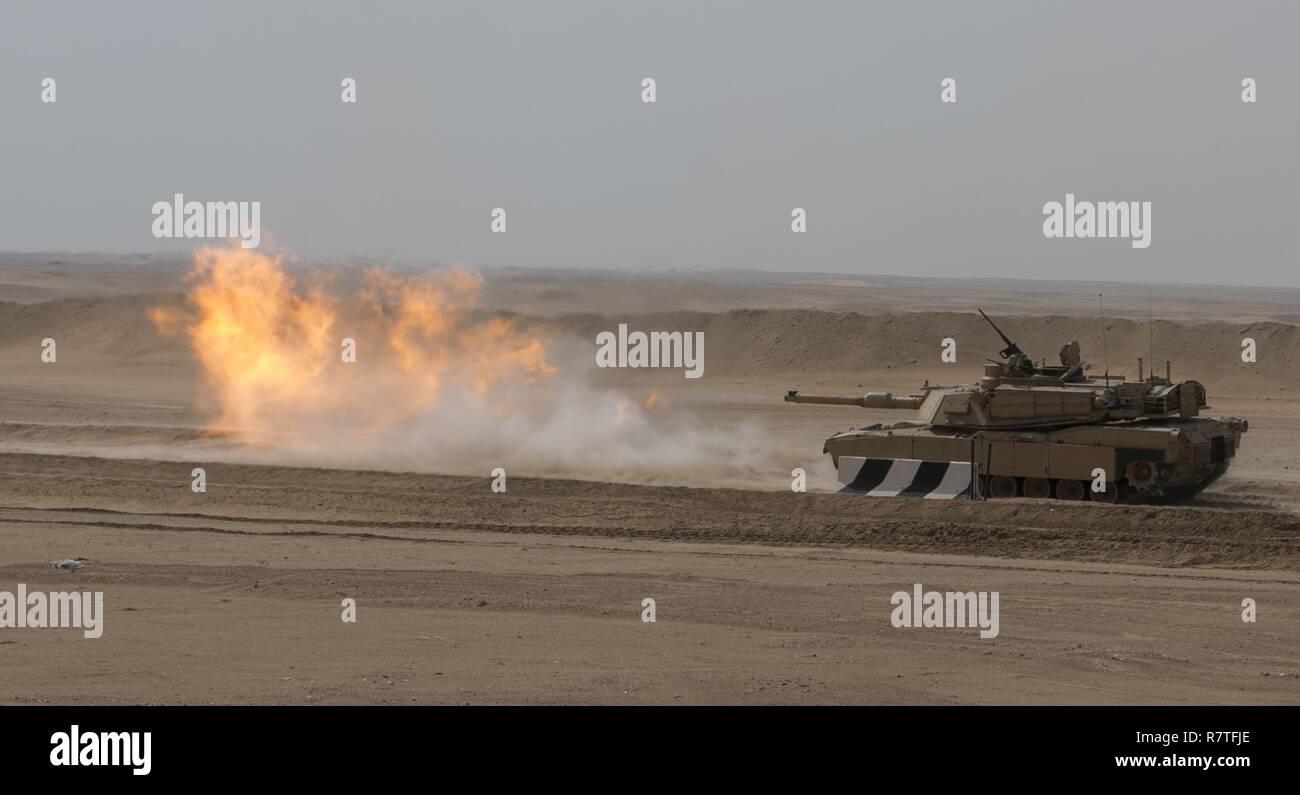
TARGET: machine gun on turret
(1017,360)
(1012,349)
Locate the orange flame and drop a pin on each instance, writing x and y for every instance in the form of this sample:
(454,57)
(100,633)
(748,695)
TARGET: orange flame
(654,402)
(273,351)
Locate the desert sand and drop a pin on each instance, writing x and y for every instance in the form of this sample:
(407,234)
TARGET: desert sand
(535,595)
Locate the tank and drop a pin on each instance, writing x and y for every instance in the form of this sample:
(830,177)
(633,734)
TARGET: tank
(1040,431)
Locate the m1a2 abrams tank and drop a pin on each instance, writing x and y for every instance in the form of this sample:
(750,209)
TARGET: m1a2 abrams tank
(1039,431)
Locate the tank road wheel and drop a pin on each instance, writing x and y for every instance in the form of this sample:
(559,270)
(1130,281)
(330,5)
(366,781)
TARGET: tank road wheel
(1069,489)
(1111,494)
(1002,487)
(1038,488)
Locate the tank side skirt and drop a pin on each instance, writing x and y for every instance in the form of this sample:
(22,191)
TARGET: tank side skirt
(928,477)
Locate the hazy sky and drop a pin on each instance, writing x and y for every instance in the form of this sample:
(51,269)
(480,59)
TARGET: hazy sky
(762,107)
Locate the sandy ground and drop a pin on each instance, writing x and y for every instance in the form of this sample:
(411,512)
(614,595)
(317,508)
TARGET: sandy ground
(534,596)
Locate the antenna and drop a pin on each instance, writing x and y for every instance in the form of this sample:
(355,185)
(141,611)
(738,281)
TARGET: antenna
(1151,323)
(1105,362)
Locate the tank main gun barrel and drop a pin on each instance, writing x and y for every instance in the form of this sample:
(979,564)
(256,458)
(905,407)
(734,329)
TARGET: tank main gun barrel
(871,400)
